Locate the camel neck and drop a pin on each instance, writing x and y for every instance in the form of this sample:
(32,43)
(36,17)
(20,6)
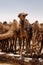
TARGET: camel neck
(22,23)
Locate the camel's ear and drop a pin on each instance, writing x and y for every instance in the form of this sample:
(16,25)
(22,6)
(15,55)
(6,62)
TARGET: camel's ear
(19,15)
(26,14)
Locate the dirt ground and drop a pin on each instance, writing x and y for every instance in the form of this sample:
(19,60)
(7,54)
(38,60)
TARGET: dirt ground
(6,59)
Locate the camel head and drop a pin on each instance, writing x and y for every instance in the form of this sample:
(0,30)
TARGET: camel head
(22,16)
(6,26)
(5,22)
(36,25)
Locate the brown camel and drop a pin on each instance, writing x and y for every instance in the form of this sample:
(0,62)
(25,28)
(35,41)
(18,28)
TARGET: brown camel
(7,37)
(4,38)
(24,30)
(4,28)
(41,34)
(35,36)
(14,27)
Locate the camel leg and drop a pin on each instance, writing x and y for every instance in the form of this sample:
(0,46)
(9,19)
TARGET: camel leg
(26,45)
(41,46)
(23,43)
(11,45)
(3,45)
(15,46)
(7,45)
(20,42)
(10,41)
(0,44)
(29,42)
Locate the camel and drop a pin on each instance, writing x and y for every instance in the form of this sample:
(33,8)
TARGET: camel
(14,27)
(36,35)
(35,30)
(39,38)
(4,28)
(41,34)
(24,26)
(10,35)
(4,37)
(23,33)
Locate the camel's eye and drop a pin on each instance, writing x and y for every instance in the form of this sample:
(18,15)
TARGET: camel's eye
(23,16)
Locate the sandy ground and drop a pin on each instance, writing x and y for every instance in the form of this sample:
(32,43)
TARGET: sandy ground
(8,59)
(12,56)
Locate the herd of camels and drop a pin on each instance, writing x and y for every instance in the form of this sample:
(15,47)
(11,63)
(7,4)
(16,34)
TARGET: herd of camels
(26,36)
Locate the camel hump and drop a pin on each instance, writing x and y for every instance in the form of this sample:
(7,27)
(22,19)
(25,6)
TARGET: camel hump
(14,25)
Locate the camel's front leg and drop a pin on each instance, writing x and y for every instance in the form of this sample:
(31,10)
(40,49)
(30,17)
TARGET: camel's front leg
(20,42)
